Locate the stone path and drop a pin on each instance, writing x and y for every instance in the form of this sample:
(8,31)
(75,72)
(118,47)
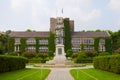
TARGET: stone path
(59,74)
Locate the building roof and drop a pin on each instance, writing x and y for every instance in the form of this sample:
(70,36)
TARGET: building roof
(29,34)
(47,34)
(89,34)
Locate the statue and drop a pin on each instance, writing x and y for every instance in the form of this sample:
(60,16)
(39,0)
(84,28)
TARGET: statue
(59,37)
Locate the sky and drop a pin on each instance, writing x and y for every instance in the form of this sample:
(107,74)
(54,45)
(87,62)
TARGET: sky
(20,15)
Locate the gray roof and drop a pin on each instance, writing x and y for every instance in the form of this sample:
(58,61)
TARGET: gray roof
(29,34)
(47,34)
(89,34)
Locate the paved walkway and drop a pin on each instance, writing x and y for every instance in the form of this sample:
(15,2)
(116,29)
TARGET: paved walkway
(59,74)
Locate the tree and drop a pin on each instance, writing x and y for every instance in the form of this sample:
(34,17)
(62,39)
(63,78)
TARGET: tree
(29,30)
(3,44)
(115,40)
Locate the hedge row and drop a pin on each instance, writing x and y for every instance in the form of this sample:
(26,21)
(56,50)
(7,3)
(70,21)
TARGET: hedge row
(10,63)
(108,63)
(84,60)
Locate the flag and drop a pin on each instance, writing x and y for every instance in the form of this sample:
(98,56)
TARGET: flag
(62,10)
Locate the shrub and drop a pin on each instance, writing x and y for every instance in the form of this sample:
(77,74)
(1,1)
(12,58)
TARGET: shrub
(13,53)
(69,53)
(29,54)
(108,63)
(83,58)
(50,53)
(74,55)
(35,60)
(10,63)
(42,55)
(117,51)
(91,53)
(104,53)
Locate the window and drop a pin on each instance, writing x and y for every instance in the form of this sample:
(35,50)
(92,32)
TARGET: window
(102,41)
(87,48)
(30,48)
(88,41)
(31,41)
(17,40)
(43,49)
(43,41)
(76,48)
(17,48)
(75,41)
(101,48)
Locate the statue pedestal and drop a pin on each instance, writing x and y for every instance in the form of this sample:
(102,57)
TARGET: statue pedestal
(59,57)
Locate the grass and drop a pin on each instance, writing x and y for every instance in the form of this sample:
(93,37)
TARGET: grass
(93,74)
(25,74)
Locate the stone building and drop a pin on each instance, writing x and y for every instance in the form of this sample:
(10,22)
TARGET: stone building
(79,40)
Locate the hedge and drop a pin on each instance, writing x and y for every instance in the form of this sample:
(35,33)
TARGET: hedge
(108,63)
(10,63)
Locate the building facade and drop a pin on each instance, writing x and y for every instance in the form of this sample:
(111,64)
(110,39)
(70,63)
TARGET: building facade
(40,41)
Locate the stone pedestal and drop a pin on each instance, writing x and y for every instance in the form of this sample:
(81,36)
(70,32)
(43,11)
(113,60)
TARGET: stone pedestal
(59,57)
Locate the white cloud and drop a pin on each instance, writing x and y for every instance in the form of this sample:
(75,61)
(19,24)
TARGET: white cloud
(114,4)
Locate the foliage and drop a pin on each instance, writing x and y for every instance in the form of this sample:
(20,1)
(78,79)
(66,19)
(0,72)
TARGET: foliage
(74,55)
(51,43)
(8,32)
(3,43)
(108,63)
(91,53)
(83,58)
(93,74)
(13,53)
(23,45)
(29,30)
(11,44)
(104,53)
(37,45)
(26,74)
(67,38)
(35,60)
(50,53)
(10,63)
(96,44)
(69,53)
(42,55)
(108,45)
(115,40)
(29,54)
(117,51)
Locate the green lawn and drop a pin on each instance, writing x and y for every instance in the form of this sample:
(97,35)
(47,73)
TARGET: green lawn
(93,74)
(25,74)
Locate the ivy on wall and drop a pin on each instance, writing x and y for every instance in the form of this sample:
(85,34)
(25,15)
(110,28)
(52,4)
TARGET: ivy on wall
(96,44)
(51,44)
(11,44)
(67,38)
(37,45)
(108,45)
(23,45)
(82,47)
